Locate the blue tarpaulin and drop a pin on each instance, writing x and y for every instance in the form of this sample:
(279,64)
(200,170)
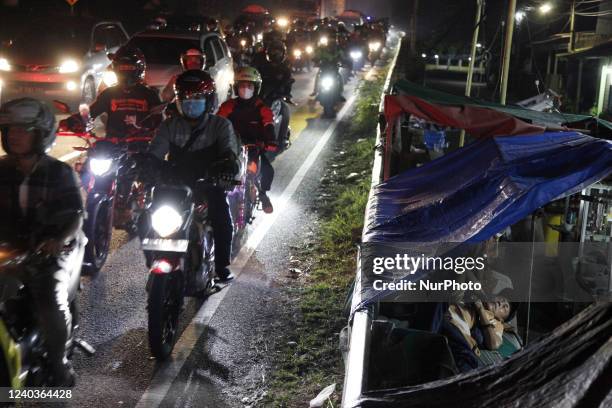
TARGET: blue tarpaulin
(473,193)
(477,191)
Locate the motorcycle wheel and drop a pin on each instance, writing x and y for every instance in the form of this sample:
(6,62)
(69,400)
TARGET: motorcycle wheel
(164,306)
(328,110)
(99,238)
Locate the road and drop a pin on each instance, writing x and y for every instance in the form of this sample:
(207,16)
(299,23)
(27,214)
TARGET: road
(221,357)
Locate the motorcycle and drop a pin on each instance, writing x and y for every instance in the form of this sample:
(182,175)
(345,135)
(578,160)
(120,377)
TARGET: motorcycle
(179,249)
(300,58)
(329,89)
(115,198)
(241,46)
(357,55)
(24,361)
(375,48)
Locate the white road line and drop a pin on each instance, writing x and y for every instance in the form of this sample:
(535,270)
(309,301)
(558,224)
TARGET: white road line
(165,376)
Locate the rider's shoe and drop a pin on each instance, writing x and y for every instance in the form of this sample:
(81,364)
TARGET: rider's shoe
(63,376)
(224,275)
(266,204)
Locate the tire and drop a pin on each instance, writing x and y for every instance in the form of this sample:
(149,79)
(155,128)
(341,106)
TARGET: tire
(164,306)
(5,378)
(99,230)
(88,95)
(328,110)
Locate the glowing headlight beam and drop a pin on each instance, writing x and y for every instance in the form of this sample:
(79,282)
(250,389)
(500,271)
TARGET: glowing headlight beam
(166,221)
(99,166)
(68,66)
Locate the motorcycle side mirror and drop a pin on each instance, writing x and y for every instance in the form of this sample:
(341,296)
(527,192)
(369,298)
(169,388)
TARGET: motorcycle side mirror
(61,107)
(110,55)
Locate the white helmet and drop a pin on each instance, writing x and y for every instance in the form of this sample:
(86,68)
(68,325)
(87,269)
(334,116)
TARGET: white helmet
(32,114)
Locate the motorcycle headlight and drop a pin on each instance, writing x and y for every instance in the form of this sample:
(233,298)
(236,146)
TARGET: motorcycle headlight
(100,166)
(259,37)
(309,49)
(327,83)
(166,221)
(109,78)
(243,43)
(374,46)
(297,53)
(4,65)
(68,66)
(356,55)
(323,40)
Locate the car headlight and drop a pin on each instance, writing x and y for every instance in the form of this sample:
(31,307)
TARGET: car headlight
(323,40)
(166,221)
(356,55)
(297,53)
(109,78)
(327,83)
(282,22)
(309,49)
(4,65)
(374,46)
(68,66)
(100,166)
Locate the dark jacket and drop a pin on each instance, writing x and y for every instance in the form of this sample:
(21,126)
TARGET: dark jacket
(119,102)
(215,140)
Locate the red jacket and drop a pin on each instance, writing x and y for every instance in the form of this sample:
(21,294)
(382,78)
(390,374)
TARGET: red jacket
(253,120)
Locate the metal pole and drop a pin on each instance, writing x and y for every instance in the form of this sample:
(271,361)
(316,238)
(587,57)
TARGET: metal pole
(570,44)
(507,50)
(470,75)
(468,84)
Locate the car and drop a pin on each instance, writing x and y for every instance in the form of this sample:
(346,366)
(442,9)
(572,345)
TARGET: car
(162,50)
(63,58)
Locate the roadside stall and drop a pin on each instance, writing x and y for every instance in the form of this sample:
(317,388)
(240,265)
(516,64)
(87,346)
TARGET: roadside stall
(527,180)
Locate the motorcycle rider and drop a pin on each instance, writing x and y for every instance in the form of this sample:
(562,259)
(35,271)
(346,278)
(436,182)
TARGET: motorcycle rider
(190,59)
(129,106)
(329,56)
(275,72)
(41,206)
(127,103)
(254,123)
(193,141)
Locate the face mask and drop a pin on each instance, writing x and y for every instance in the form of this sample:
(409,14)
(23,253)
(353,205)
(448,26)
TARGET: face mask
(193,108)
(245,93)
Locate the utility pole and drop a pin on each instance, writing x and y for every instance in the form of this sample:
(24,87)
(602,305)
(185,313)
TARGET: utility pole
(507,50)
(413,26)
(470,75)
(570,44)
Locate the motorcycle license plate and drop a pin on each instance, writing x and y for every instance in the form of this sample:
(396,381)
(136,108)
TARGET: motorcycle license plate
(166,245)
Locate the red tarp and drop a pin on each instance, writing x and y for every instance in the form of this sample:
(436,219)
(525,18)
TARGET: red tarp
(478,122)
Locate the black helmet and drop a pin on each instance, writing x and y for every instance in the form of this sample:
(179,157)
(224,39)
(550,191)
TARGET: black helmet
(31,114)
(195,84)
(129,65)
(276,52)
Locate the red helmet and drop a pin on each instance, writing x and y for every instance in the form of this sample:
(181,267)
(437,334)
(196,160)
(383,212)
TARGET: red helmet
(195,57)
(196,84)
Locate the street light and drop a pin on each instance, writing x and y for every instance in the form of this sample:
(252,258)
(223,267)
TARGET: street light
(545,8)
(519,16)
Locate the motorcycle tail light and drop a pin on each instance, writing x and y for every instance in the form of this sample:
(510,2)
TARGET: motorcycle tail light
(161,266)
